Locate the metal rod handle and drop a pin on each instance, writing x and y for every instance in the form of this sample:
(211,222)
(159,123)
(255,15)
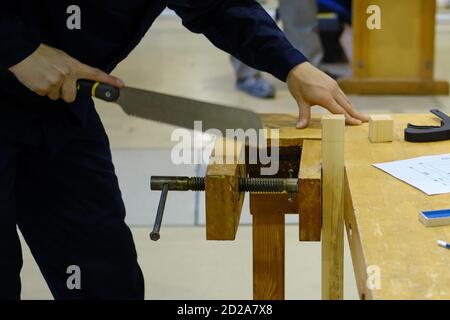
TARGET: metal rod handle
(155,236)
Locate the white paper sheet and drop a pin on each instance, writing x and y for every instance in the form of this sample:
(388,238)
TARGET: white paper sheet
(429,174)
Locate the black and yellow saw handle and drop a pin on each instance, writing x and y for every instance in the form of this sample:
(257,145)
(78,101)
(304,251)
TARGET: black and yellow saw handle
(99,90)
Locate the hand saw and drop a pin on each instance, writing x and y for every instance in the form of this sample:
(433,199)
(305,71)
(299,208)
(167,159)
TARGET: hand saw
(178,111)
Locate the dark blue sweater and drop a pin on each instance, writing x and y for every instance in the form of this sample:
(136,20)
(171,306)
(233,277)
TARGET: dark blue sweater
(110,30)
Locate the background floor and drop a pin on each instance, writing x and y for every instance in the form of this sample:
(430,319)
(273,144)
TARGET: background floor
(183,265)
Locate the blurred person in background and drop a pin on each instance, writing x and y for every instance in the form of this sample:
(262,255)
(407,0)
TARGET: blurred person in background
(300,24)
(444,4)
(343,9)
(301,27)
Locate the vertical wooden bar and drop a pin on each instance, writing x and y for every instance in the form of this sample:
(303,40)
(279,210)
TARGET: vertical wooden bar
(359,66)
(427,38)
(309,198)
(333,131)
(268,252)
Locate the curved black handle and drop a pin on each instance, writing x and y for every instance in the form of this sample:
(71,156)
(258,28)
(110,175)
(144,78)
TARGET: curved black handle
(99,90)
(415,133)
(445,118)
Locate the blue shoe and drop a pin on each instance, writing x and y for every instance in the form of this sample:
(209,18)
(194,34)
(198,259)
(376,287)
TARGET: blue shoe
(257,87)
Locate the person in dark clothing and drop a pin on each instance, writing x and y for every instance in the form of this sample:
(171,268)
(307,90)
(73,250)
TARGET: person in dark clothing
(343,8)
(301,27)
(57,180)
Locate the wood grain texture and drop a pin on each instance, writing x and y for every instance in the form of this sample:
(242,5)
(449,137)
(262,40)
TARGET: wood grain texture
(223,199)
(381,215)
(359,263)
(268,253)
(264,202)
(289,135)
(333,132)
(310,192)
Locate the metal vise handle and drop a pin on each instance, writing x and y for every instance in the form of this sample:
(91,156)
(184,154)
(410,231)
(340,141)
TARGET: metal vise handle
(155,236)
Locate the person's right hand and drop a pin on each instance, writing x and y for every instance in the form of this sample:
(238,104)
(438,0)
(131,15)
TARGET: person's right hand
(51,72)
(310,86)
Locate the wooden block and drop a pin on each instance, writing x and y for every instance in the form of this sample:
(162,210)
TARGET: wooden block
(381,128)
(223,199)
(289,135)
(310,184)
(333,132)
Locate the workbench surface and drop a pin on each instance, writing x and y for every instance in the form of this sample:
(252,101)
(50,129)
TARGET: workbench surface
(381,214)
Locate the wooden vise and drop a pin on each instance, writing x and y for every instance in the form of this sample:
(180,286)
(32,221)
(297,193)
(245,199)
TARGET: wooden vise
(300,155)
(315,157)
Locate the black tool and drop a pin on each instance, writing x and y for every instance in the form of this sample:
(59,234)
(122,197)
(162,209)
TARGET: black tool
(415,133)
(261,185)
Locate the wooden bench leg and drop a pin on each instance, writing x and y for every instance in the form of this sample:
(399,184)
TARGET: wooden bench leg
(268,254)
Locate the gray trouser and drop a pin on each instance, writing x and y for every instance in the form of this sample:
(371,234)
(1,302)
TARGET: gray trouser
(300,25)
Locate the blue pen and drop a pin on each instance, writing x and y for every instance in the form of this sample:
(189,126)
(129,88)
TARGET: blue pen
(443,244)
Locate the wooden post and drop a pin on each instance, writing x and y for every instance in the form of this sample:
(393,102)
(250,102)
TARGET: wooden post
(398,58)
(224,202)
(333,131)
(268,251)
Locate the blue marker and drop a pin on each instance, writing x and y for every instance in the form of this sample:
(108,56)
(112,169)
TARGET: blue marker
(443,244)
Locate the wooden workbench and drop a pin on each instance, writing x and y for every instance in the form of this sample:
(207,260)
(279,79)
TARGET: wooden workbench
(381,215)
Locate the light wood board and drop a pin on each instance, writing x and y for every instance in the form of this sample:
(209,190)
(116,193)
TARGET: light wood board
(333,133)
(289,135)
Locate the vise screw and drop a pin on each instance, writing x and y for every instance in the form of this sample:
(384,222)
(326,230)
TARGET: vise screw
(259,185)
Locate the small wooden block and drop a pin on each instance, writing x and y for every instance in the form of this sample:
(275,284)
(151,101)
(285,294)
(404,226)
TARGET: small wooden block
(381,128)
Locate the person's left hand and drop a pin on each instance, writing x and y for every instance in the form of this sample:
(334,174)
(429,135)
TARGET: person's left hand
(309,86)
